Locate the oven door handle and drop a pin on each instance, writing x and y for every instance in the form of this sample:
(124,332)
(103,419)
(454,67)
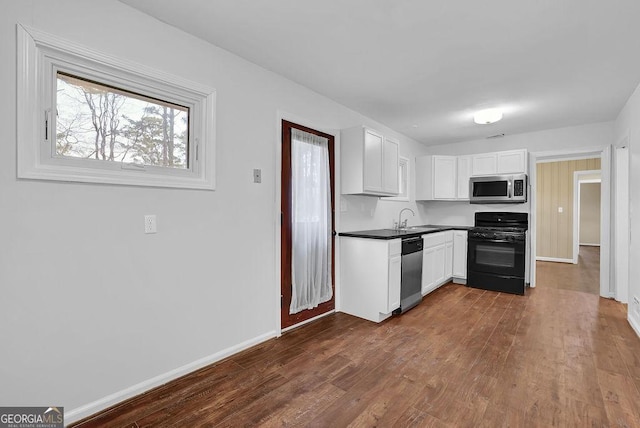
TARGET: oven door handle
(497,241)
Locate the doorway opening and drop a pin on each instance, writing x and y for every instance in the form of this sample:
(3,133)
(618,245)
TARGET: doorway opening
(586,212)
(569,225)
(307,232)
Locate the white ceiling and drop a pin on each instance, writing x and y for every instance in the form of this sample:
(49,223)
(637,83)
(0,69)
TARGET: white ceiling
(423,67)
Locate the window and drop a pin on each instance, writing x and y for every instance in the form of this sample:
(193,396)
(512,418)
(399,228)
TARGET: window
(85,116)
(403,181)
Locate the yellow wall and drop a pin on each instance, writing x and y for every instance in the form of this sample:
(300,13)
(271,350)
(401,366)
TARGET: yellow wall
(554,189)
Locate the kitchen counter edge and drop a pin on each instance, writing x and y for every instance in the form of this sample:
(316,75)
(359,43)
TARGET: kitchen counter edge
(387,234)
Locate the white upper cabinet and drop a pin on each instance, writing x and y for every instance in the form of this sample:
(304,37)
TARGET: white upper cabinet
(436,178)
(512,162)
(464,173)
(485,164)
(369,163)
(390,176)
(373,155)
(506,162)
(443,178)
(444,174)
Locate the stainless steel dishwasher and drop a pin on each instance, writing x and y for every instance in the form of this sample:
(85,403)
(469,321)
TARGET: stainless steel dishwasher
(411,282)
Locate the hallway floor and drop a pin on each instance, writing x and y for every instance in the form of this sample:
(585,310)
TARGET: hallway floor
(584,276)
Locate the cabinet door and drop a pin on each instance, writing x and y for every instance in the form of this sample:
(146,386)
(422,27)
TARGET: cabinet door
(439,262)
(444,177)
(512,162)
(395,277)
(390,164)
(460,254)
(373,154)
(485,164)
(448,260)
(428,278)
(464,173)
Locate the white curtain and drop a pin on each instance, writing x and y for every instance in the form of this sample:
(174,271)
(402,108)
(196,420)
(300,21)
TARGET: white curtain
(311,221)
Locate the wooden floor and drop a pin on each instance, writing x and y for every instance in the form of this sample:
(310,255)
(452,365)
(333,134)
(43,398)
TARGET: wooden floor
(584,276)
(462,358)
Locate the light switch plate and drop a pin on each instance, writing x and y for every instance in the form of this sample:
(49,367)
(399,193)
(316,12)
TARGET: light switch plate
(257,176)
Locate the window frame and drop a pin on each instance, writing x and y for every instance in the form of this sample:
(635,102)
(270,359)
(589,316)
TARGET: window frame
(41,56)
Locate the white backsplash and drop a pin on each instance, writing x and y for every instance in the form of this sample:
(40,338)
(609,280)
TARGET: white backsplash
(462,213)
(368,212)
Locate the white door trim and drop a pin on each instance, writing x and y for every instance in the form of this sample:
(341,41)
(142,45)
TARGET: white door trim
(577,183)
(533,217)
(621,223)
(607,287)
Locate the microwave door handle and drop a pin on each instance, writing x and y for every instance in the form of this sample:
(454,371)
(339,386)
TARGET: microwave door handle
(509,185)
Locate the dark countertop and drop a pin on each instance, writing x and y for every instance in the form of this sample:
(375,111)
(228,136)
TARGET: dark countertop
(393,234)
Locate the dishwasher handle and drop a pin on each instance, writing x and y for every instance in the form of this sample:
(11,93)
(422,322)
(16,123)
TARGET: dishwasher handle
(411,245)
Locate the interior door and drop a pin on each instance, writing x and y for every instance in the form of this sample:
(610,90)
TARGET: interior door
(288,319)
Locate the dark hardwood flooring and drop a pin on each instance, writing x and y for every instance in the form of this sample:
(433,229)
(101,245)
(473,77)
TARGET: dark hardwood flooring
(462,358)
(584,276)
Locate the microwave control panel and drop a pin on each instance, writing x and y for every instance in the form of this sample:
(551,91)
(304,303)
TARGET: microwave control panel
(518,188)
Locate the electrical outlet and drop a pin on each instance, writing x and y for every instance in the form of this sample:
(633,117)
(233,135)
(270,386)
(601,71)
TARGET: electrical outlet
(560,209)
(636,305)
(150,224)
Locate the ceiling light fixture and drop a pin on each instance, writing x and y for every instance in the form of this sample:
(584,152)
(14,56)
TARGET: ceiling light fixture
(485,117)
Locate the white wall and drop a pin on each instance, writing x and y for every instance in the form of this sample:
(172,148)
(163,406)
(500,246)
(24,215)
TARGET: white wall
(91,305)
(628,125)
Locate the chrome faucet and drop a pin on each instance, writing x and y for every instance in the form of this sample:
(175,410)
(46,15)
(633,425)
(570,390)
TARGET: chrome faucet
(401,224)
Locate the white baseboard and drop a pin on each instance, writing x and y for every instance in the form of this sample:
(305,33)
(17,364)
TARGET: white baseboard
(300,324)
(553,259)
(589,245)
(634,324)
(82,412)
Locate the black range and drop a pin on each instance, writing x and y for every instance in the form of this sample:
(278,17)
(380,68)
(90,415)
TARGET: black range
(497,252)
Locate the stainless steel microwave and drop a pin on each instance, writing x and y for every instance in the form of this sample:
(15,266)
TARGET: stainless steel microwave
(498,189)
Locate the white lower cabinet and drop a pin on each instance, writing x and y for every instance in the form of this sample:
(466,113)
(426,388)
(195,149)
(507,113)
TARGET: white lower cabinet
(371,271)
(440,258)
(460,256)
(448,259)
(395,277)
(370,275)
(434,259)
